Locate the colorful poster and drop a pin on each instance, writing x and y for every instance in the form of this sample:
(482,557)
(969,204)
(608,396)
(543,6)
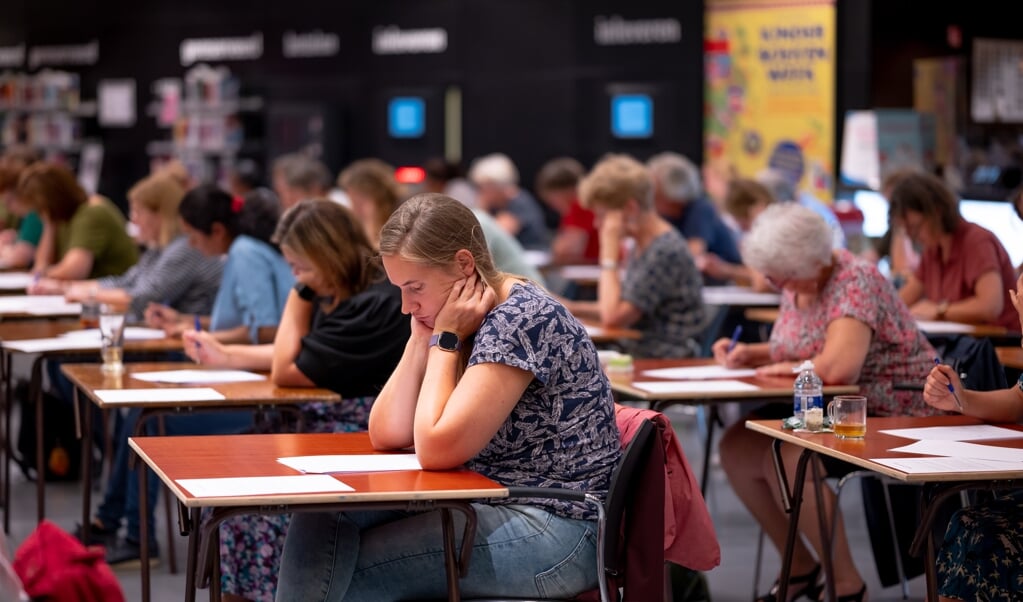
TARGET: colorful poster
(770,88)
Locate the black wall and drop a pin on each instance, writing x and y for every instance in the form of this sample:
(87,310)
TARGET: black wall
(533,83)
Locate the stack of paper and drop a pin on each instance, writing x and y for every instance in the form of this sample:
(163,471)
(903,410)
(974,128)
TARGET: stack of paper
(952,452)
(198,376)
(352,463)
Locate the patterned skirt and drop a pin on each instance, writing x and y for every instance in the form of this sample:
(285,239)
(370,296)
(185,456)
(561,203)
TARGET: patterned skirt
(982,556)
(251,545)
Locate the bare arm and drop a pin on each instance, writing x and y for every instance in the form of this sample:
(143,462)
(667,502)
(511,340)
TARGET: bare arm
(390,420)
(912,291)
(295,323)
(1003,405)
(75,265)
(984,306)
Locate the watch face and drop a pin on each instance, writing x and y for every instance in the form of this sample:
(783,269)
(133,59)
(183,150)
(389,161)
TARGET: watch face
(448,341)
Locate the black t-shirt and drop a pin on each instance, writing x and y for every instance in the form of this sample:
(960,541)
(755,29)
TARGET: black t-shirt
(353,349)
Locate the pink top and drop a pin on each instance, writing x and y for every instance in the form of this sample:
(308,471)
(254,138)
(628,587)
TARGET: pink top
(975,252)
(898,352)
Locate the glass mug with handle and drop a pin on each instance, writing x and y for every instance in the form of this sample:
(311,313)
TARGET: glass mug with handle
(848,415)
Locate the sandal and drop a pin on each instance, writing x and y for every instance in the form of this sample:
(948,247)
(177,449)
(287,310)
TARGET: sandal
(857,597)
(810,588)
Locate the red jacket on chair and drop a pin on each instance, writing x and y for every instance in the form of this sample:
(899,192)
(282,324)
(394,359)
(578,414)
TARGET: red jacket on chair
(689,536)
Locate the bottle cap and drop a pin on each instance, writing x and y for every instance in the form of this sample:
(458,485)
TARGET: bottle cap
(806,365)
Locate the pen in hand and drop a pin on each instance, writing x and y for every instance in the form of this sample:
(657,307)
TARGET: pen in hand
(951,389)
(735,337)
(198,345)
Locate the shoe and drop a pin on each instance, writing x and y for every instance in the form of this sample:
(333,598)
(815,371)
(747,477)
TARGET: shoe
(810,588)
(857,597)
(98,534)
(126,554)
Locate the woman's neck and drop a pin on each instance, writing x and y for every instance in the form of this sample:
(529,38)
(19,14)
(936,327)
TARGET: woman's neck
(649,227)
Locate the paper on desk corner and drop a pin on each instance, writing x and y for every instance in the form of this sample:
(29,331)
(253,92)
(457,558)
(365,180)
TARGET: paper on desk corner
(694,386)
(198,376)
(242,486)
(352,463)
(168,395)
(962,449)
(699,372)
(967,432)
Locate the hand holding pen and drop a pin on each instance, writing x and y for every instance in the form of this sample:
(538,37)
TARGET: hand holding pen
(949,386)
(198,345)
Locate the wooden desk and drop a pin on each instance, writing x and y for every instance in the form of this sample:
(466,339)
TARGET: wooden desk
(600,335)
(186,457)
(861,452)
(770,315)
(88,378)
(10,334)
(1010,357)
(769,388)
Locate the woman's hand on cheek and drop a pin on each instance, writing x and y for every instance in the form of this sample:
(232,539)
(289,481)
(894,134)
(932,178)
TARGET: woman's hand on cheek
(469,301)
(420,332)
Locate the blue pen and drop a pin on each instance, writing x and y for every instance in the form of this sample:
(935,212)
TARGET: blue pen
(198,345)
(951,389)
(735,337)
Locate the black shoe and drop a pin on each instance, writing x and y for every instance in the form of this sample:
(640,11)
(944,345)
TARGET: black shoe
(126,554)
(799,585)
(98,535)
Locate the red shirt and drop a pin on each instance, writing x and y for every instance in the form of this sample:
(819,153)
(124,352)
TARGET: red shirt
(975,251)
(582,219)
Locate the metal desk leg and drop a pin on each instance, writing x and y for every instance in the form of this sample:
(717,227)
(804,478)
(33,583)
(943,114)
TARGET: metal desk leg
(450,562)
(36,394)
(190,518)
(708,447)
(793,504)
(5,468)
(143,528)
(83,414)
(825,531)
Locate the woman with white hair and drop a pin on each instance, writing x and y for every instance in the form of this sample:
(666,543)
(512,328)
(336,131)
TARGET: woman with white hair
(498,192)
(839,311)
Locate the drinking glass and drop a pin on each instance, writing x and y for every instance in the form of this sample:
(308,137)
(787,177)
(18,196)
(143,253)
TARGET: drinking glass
(848,414)
(111,332)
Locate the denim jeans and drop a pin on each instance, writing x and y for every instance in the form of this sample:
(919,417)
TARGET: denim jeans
(519,550)
(121,499)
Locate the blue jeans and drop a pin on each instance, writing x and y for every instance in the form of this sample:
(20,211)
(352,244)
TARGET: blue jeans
(121,499)
(519,550)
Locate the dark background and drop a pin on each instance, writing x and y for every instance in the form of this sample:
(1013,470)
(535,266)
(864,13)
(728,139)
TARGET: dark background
(533,83)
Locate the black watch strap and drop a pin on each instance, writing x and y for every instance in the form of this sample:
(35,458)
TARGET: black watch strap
(305,292)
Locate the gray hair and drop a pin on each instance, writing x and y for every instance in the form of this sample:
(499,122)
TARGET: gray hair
(676,176)
(780,186)
(788,240)
(495,168)
(303,172)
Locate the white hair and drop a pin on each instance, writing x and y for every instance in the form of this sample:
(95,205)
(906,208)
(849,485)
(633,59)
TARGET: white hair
(776,181)
(495,168)
(788,240)
(676,176)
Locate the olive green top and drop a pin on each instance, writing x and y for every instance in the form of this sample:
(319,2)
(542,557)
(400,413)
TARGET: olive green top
(98,226)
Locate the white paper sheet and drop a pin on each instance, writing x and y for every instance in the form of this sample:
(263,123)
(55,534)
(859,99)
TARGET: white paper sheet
(242,486)
(131,333)
(961,449)
(738,295)
(699,372)
(12,281)
(38,305)
(352,463)
(973,432)
(581,272)
(697,386)
(198,376)
(51,344)
(940,327)
(168,395)
(931,465)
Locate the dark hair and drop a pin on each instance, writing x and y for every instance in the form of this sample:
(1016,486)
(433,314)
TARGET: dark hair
(254,215)
(442,170)
(330,237)
(52,190)
(562,173)
(926,194)
(248,173)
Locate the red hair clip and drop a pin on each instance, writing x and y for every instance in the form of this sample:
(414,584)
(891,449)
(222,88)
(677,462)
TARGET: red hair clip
(237,203)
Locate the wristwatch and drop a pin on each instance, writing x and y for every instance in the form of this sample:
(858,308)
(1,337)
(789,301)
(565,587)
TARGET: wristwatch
(448,341)
(305,292)
(942,309)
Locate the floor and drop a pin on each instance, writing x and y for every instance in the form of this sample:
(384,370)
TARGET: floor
(730,582)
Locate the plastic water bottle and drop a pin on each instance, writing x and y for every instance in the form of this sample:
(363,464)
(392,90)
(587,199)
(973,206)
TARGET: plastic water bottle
(808,398)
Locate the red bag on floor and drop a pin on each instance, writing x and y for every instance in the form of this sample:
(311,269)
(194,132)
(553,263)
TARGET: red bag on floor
(54,566)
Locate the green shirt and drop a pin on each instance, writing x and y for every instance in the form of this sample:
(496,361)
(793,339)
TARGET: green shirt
(30,229)
(99,228)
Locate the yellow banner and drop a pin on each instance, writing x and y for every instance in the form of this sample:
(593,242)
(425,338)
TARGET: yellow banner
(770,88)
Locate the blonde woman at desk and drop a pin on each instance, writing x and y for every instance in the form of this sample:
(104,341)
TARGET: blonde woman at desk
(342,330)
(497,376)
(839,311)
(982,553)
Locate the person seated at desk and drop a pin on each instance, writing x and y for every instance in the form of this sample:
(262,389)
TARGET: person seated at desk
(661,293)
(495,376)
(576,239)
(964,273)
(24,228)
(256,279)
(678,198)
(839,311)
(170,270)
(497,191)
(983,547)
(342,330)
(83,236)
(373,192)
